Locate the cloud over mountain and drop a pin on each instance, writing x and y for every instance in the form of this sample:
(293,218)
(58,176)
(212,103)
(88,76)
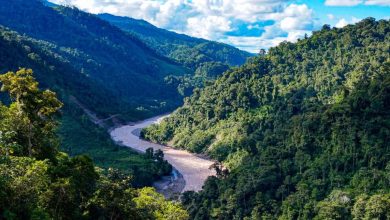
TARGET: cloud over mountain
(247,24)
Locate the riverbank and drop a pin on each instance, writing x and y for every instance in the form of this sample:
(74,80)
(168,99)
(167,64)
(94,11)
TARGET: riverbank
(171,186)
(192,168)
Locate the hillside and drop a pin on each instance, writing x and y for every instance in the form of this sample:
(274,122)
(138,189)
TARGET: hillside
(53,70)
(80,136)
(94,65)
(302,131)
(56,67)
(37,181)
(121,63)
(189,51)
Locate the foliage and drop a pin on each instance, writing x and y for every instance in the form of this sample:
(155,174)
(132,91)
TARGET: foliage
(194,53)
(304,130)
(208,59)
(43,183)
(68,48)
(156,207)
(79,136)
(93,50)
(31,117)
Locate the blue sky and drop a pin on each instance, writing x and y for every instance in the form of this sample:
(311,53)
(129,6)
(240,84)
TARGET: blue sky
(247,24)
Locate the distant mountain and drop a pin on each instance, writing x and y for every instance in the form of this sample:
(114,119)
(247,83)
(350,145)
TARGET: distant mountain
(190,51)
(53,70)
(92,72)
(127,57)
(121,63)
(47,3)
(98,71)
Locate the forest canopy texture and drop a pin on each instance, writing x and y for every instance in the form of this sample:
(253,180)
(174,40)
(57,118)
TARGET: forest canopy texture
(39,182)
(302,131)
(98,69)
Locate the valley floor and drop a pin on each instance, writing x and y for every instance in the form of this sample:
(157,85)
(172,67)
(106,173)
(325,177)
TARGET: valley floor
(193,169)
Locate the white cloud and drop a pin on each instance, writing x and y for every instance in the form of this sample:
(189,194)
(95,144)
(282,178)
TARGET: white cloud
(251,27)
(296,17)
(292,23)
(378,2)
(210,27)
(343,22)
(253,44)
(330,16)
(214,19)
(343,2)
(357,2)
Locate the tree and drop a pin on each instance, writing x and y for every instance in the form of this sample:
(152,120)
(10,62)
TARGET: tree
(262,52)
(156,207)
(32,113)
(374,207)
(315,113)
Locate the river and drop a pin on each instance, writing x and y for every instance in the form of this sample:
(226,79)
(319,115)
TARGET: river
(192,168)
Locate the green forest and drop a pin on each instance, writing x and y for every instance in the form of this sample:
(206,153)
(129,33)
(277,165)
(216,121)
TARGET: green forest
(190,51)
(301,132)
(87,62)
(298,131)
(118,62)
(78,134)
(37,181)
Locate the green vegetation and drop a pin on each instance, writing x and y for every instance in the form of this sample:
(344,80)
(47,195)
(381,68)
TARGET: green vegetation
(39,182)
(97,53)
(189,51)
(302,131)
(89,62)
(207,59)
(79,135)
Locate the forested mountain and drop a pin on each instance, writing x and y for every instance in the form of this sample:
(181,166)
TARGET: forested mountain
(39,182)
(124,64)
(121,63)
(192,52)
(53,70)
(93,65)
(302,132)
(80,136)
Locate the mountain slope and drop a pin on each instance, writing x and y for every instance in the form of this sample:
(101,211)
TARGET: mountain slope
(39,182)
(80,136)
(190,51)
(94,67)
(117,60)
(52,70)
(303,131)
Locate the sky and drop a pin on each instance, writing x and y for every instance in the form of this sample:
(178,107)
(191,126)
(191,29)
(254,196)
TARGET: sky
(250,25)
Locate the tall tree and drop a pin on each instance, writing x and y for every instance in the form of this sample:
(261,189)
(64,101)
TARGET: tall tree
(32,114)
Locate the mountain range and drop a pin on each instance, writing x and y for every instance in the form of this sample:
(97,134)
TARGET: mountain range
(103,66)
(114,54)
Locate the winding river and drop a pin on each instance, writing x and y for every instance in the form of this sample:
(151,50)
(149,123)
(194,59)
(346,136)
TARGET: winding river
(193,169)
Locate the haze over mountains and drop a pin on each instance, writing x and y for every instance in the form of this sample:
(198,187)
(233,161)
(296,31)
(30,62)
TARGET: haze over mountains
(301,131)
(190,51)
(99,69)
(127,67)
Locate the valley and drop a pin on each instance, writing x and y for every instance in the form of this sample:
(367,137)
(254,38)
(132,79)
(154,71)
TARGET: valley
(300,130)
(194,169)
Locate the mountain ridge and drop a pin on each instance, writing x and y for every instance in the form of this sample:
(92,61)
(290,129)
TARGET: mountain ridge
(173,44)
(302,132)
